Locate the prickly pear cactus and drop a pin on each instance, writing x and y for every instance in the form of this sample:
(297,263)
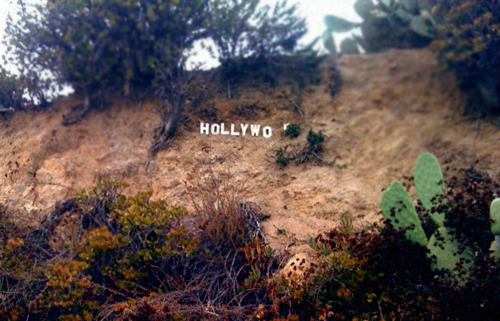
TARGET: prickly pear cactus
(495,216)
(424,25)
(329,42)
(429,184)
(495,228)
(338,24)
(389,24)
(348,46)
(450,259)
(387,3)
(364,8)
(397,207)
(410,5)
(449,256)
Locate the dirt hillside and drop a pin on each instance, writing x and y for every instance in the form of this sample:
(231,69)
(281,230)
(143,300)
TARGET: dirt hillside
(390,108)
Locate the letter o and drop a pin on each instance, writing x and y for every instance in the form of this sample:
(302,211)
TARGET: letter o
(267,132)
(215,129)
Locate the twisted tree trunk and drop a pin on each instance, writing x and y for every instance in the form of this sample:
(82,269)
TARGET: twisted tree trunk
(172,88)
(166,132)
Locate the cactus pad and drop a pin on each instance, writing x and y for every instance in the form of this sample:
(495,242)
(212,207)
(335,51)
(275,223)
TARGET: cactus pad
(337,24)
(429,184)
(329,42)
(495,216)
(423,26)
(495,248)
(449,256)
(397,207)
(495,228)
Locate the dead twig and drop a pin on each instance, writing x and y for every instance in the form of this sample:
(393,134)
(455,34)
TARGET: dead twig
(6,110)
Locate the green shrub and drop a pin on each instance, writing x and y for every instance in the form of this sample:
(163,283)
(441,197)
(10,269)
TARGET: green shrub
(467,45)
(292,131)
(315,139)
(257,44)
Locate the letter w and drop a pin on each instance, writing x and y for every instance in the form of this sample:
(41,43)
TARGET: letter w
(255,129)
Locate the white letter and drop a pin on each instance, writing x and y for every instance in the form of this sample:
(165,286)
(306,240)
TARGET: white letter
(222,131)
(267,131)
(204,128)
(233,133)
(255,129)
(215,129)
(244,128)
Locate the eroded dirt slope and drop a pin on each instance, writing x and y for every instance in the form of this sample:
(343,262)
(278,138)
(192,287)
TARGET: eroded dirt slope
(390,108)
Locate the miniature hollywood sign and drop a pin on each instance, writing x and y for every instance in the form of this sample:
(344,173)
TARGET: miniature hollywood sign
(236,130)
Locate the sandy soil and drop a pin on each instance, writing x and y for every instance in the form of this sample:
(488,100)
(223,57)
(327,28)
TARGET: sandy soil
(390,108)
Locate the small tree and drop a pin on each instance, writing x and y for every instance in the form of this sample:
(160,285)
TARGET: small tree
(230,21)
(252,39)
(99,44)
(241,28)
(172,90)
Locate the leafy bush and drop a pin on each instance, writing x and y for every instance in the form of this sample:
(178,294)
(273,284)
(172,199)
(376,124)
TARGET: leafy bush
(467,45)
(471,210)
(122,44)
(315,139)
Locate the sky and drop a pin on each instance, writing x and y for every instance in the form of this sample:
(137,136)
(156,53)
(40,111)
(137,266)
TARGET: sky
(313,10)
